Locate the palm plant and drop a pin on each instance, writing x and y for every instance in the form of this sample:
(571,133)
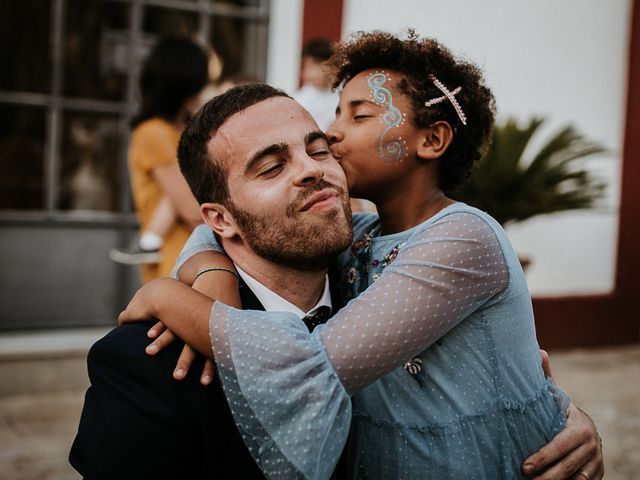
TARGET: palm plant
(513,188)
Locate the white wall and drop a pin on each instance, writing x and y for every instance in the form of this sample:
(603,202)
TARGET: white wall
(285,44)
(563,59)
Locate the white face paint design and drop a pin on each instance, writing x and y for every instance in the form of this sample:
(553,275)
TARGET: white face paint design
(396,148)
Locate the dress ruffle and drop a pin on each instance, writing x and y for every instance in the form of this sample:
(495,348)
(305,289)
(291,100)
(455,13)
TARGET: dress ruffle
(289,405)
(488,446)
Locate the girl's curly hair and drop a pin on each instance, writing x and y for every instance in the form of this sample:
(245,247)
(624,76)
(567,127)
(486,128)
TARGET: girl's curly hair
(417,58)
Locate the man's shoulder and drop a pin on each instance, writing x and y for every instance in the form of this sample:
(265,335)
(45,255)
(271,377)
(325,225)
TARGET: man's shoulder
(123,340)
(122,353)
(137,421)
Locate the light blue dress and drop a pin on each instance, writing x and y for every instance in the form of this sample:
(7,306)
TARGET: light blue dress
(438,356)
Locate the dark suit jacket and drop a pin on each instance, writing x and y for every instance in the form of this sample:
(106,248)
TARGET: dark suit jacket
(138,422)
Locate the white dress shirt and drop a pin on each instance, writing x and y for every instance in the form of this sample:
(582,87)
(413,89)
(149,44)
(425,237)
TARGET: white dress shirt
(272,302)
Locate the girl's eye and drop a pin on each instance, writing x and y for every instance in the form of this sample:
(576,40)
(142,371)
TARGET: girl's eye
(360,117)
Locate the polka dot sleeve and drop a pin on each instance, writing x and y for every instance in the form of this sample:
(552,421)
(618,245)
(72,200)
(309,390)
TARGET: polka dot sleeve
(441,276)
(202,239)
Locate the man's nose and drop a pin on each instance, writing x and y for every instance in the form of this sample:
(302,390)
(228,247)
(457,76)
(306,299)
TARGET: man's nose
(309,171)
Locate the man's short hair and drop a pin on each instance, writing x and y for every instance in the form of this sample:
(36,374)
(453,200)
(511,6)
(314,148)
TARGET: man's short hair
(207,176)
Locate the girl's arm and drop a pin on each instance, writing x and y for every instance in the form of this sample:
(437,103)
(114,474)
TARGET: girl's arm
(200,254)
(182,309)
(439,278)
(210,273)
(200,249)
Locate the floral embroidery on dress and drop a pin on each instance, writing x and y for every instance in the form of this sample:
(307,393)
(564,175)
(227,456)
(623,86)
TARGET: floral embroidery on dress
(361,261)
(388,259)
(359,265)
(363,244)
(355,279)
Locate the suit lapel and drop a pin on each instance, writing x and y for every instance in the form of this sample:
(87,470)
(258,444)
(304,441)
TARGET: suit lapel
(248,298)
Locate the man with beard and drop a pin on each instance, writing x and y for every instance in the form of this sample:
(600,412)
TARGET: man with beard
(272,192)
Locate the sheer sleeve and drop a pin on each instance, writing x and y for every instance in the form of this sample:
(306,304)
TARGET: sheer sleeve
(289,389)
(291,409)
(441,276)
(202,239)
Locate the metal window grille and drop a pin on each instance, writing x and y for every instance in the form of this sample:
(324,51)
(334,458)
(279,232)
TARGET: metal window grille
(56,103)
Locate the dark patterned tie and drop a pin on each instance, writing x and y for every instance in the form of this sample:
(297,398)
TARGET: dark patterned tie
(322,315)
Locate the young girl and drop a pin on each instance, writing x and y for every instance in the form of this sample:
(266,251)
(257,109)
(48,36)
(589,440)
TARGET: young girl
(437,349)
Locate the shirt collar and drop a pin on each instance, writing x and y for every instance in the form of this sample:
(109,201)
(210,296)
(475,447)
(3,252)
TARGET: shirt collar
(272,302)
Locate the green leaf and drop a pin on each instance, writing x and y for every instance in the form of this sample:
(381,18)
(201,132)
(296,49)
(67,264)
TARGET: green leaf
(513,188)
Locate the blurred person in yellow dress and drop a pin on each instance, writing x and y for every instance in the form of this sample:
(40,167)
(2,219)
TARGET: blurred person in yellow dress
(172,78)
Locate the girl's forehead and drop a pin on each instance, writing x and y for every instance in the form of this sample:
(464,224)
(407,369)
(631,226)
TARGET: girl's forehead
(375,86)
(367,81)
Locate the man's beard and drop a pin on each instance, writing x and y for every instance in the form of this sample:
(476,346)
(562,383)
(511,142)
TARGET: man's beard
(291,242)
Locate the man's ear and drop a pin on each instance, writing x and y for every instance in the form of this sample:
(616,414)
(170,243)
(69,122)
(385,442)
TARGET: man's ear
(435,140)
(219,219)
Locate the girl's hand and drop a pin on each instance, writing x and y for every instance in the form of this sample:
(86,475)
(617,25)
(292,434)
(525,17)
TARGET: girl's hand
(185,361)
(140,307)
(165,337)
(179,307)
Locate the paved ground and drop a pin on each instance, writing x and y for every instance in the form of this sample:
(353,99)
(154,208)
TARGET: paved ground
(36,430)
(606,384)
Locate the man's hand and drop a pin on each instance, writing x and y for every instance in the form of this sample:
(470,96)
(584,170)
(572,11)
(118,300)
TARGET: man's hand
(575,453)
(546,366)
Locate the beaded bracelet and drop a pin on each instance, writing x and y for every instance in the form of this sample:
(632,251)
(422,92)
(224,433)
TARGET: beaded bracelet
(217,268)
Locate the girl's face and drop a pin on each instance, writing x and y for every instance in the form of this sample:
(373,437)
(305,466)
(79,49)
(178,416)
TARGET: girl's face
(373,135)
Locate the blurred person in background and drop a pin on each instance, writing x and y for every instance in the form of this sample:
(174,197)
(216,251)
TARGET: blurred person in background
(316,94)
(172,78)
(229,81)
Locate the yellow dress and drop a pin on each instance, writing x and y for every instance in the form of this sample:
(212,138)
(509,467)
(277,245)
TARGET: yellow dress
(154,143)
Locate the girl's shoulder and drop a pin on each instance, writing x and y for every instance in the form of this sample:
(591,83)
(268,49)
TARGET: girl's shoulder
(463,223)
(458,215)
(364,223)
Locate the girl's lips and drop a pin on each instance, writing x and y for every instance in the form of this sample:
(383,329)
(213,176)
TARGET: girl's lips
(337,154)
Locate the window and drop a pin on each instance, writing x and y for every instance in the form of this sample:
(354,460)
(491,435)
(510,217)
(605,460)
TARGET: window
(69,87)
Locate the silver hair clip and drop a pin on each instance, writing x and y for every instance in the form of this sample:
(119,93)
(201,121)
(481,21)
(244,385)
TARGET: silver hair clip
(451,96)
